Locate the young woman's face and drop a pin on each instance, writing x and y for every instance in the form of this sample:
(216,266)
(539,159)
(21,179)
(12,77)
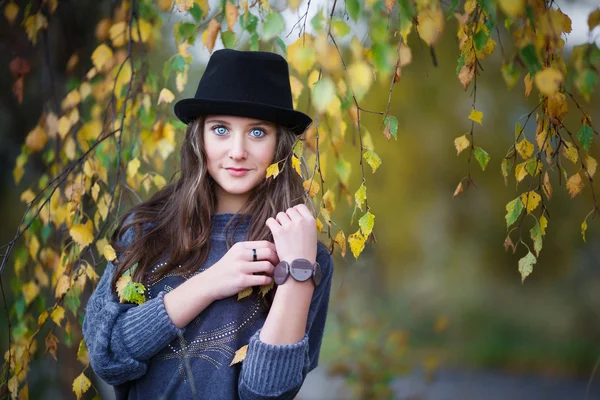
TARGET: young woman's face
(238,151)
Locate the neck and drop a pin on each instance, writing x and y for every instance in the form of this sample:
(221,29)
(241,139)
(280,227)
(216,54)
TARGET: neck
(230,203)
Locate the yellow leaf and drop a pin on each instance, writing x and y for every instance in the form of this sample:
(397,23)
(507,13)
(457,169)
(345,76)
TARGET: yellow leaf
(81,384)
(62,286)
(296,165)
(30,291)
(27,196)
(33,24)
(273,170)
(569,151)
(360,77)
(118,34)
(575,185)
(72,99)
(360,196)
(525,149)
(83,234)
(209,36)
(245,293)
(476,116)
(357,243)
(145,29)
(240,355)
(512,8)
(89,271)
(36,139)
(314,187)
(184,5)
(231,13)
(101,56)
(340,239)
(132,167)
(458,190)
(583,229)
(591,165)
(543,224)
(319,225)
(57,315)
(594,19)
(34,246)
(42,318)
(264,289)
(181,79)
(329,201)
(159,181)
(64,126)
(166,96)
(11,10)
(296,86)
(520,171)
(41,275)
(120,286)
(430,25)
(301,56)
(548,81)
(372,159)
(366,223)
(528,84)
(109,252)
(461,143)
(95,191)
(531,200)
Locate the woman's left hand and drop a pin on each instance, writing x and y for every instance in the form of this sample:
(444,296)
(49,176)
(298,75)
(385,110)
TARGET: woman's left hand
(295,234)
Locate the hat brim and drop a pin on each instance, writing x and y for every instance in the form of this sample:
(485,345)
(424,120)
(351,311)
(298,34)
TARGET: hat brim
(189,109)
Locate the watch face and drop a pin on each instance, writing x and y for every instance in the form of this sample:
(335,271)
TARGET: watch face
(281,272)
(301,269)
(317,274)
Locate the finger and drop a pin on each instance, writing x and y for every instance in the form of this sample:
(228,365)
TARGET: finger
(304,211)
(256,244)
(257,280)
(283,219)
(258,266)
(267,254)
(273,225)
(294,214)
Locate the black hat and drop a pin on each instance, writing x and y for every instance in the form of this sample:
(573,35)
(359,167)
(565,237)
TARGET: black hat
(254,84)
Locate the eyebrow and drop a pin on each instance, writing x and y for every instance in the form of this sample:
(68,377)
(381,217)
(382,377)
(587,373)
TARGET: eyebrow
(254,123)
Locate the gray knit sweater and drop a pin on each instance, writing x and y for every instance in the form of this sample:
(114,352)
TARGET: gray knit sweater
(138,349)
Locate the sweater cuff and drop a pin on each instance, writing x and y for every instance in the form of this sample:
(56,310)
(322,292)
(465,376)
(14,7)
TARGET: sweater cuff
(274,369)
(147,328)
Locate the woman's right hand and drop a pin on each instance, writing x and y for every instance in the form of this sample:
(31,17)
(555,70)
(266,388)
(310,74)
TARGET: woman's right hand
(236,270)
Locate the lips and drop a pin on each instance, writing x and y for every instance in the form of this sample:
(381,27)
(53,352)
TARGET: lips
(238,169)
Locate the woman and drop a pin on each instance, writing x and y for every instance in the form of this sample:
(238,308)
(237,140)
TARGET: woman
(219,229)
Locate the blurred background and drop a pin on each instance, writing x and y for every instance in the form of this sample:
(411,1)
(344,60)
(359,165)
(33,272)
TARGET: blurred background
(435,309)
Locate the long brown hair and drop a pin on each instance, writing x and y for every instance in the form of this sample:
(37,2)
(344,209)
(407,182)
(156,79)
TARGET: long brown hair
(180,213)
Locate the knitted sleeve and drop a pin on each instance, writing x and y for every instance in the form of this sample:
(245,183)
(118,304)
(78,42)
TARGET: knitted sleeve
(278,371)
(122,337)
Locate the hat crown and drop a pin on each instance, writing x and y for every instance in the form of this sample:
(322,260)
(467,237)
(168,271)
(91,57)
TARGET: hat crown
(250,76)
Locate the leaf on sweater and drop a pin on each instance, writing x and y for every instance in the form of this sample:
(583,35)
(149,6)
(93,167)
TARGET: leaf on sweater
(245,293)
(264,289)
(240,355)
(129,291)
(81,384)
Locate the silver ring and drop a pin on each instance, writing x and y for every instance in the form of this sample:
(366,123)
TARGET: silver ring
(254,258)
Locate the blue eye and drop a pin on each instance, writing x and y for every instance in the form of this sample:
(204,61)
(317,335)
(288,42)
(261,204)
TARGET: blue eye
(258,130)
(220,129)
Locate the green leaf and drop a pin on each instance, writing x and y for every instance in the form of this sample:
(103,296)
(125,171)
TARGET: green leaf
(281,45)
(134,292)
(196,12)
(529,56)
(187,31)
(343,169)
(317,22)
(526,265)
(229,39)
(453,6)
(482,157)
(510,75)
(254,42)
(585,135)
(366,223)
(461,63)
(251,21)
(384,56)
(273,26)
(505,167)
(323,93)
(71,299)
(586,80)
(518,130)
(513,210)
(536,237)
(360,196)
(179,63)
(340,28)
(391,124)
(353,8)
(480,38)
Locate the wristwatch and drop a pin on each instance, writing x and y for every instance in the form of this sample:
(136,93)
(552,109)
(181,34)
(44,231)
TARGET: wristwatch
(301,270)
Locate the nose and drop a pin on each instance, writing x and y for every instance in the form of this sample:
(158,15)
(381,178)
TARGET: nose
(237,151)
